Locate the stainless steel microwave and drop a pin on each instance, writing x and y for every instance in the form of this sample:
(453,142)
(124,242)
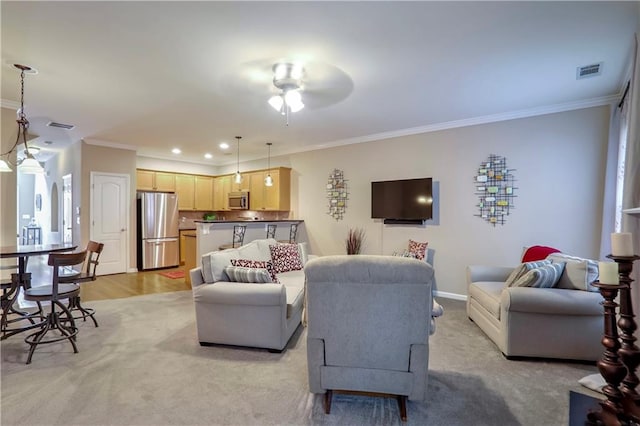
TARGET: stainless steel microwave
(239,200)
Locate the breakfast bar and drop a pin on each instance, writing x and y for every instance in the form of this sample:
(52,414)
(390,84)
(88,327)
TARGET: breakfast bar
(211,234)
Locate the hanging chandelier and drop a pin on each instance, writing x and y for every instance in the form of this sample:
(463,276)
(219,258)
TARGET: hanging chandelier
(268,181)
(238,176)
(287,78)
(29,164)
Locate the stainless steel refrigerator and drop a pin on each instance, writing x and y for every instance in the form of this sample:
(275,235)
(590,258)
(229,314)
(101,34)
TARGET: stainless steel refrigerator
(158,234)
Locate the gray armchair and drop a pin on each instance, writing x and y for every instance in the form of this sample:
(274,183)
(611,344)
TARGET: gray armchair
(368,326)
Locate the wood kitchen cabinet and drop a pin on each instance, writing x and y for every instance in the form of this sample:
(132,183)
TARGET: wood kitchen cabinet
(185,188)
(203,193)
(274,198)
(221,188)
(148,180)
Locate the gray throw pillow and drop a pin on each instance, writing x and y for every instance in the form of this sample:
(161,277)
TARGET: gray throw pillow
(579,273)
(545,276)
(241,274)
(522,269)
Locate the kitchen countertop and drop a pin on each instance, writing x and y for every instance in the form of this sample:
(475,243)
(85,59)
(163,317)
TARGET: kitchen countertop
(250,221)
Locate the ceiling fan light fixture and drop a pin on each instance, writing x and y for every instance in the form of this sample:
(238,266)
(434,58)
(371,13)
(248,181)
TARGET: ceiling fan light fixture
(287,78)
(276,102)
(293,99)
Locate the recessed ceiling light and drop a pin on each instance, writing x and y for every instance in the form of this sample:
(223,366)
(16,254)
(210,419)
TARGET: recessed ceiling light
(176,150)
(208,156)
(224,145)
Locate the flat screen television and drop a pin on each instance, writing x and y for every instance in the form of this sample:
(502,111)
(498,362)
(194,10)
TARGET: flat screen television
(408,199)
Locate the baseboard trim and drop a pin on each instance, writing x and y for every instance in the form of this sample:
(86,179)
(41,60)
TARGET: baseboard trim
(448,295)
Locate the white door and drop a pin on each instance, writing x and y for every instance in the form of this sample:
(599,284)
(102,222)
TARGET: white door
(110,206)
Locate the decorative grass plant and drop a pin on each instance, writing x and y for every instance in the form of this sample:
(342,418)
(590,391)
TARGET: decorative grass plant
(354,240)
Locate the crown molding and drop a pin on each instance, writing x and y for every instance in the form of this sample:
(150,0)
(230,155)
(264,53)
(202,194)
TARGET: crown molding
(494,118)
(110,144)
(6,103)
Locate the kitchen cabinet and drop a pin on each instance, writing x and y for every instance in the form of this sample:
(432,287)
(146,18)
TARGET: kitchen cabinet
(256,190)
(190,248)
(203,193)
(182,247)
(274,198)
(221,189)
(185,188)
(242,186)
(149,180)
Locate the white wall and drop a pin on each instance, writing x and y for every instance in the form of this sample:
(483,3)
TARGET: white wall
(559,161)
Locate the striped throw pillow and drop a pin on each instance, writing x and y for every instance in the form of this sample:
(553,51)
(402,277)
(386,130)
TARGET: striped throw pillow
(522,269)
(241,274)
(264,264)
(545,276)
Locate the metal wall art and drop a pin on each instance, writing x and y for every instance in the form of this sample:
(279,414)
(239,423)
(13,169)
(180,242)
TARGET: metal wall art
(337,194)
(495,190)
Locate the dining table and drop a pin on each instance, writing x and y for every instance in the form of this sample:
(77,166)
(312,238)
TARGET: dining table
(22,280)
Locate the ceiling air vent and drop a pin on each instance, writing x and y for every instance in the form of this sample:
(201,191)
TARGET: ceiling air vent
(61,125)
(586,71)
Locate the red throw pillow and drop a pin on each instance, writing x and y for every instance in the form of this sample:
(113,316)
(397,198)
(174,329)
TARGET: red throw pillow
(534,253)
(285,257)
(417,249)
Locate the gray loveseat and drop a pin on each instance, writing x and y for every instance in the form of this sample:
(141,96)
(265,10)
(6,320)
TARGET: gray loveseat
(564,322)
(246,314)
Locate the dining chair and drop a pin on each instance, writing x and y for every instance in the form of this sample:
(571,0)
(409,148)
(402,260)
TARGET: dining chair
(59,317)
(271,230)
(88,273)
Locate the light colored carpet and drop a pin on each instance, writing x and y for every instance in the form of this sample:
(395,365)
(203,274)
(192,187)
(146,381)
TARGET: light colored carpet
(144,366)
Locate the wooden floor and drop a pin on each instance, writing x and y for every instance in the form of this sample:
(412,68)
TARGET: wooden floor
(115,286)
(134,284)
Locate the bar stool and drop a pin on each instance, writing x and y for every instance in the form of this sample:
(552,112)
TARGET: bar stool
(271,230)
(293,233)
(54,293)
(88,273)
(238,237)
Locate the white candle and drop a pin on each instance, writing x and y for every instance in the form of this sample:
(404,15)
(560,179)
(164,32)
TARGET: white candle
(621,244)
(608,273)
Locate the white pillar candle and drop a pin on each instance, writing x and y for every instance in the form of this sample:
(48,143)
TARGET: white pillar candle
(608,273)
(621,244)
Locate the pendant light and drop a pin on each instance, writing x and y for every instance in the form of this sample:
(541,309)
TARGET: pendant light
(29,165)
(268,181)
(238,177)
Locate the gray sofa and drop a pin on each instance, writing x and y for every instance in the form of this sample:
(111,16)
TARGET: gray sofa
(564,322)
(245,314)
(368,325)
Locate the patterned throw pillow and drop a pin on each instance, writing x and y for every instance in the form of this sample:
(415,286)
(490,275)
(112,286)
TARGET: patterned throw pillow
(418,249)
(543,277)
(260,264)
(241,274)
(285,257)
(522,269)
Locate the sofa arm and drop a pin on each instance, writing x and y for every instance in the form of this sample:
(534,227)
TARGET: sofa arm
(226,293)
(476,273)
(555,301)
(196,277)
